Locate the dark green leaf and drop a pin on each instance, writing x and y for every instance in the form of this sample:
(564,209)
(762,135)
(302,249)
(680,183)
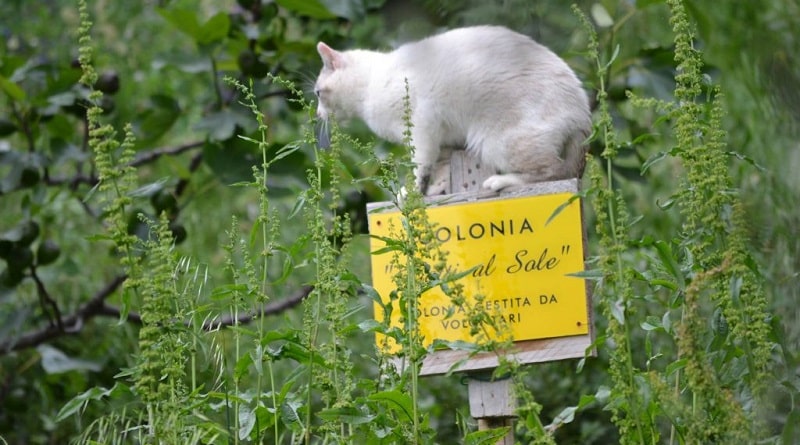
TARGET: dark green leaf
(563,206)
(349,415)
(78,402)
(311,8)
(397,401)
(12,89)
(184,19)
(161,114)
(221,125)
(349,9)
(675,366)
(232,161)
(791,429)
(242,366)
(289,415)
(486,437)
(216,28)
(641,4)
(247,421)
(6,127)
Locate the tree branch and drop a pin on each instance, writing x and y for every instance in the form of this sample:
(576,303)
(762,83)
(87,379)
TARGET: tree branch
(49,306)
(97,306)
(271,308)
(145,157)
(71,324)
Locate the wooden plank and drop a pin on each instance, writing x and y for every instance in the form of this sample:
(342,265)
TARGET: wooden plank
(493,404)
(525,352)
(458,179)
(461,180)
(491,398)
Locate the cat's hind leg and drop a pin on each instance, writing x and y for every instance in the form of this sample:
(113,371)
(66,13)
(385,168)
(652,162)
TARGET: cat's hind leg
(426,153)
(527,166)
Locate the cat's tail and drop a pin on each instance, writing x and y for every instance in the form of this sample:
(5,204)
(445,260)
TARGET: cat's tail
(575,148)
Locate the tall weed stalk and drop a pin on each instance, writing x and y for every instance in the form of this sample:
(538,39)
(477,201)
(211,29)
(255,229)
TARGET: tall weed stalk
(692,303)
(707,390)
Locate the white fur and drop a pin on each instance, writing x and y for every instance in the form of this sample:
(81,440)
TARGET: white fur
(511,102)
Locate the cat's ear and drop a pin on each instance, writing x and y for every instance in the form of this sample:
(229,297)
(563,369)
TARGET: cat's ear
(331,58)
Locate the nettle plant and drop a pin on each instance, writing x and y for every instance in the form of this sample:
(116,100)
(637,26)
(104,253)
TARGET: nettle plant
(697,297)
(687,326)
(164,398)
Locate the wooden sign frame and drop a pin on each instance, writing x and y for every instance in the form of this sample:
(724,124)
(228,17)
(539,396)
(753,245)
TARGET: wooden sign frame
(462,176)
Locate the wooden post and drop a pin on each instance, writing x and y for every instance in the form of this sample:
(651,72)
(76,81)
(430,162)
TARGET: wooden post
(491,403)
(456,186)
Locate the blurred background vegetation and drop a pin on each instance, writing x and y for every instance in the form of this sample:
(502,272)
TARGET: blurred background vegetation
(161,65)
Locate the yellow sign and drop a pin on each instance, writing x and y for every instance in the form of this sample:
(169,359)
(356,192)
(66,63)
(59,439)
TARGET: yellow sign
(522,266)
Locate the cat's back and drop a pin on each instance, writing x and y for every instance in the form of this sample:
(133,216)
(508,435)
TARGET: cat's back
(476,37)
(483,48)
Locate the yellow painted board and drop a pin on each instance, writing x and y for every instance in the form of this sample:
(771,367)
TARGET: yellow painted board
(523,267)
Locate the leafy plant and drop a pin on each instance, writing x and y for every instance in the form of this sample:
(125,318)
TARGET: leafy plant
(108,219)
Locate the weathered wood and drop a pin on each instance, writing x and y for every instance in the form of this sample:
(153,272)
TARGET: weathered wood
(490,398)
(492,403)
(467,174)
(528,351)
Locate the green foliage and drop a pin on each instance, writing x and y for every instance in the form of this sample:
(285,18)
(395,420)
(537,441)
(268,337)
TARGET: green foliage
(124,171)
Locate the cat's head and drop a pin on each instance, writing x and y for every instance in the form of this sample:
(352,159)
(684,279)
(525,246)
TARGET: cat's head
(336,87)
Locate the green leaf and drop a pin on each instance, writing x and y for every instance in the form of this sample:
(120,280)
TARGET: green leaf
(161,114)
(79,402)
(397,401)
(12,89)
(653,160)
(591,274)
(301,354)
(350,415)
(370,325)
(56,362)
(567,415)
(601,16)
(286,150)
(618,311)
(668,261)
(483,437)
(216,28)
(225,290)
(791,429)
(748,159)
(231,161)
(311,8)
(242,366)
(289,415)
(350,9)
(184,19)
(651,323)
(675,366)
(392,245)
(6,127)
(247,421)
(602,394)
(641,4)
(563,206)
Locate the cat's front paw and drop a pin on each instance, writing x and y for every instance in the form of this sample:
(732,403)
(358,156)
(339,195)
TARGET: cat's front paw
(499,182)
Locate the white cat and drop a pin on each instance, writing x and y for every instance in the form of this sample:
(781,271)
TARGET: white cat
(510,101)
